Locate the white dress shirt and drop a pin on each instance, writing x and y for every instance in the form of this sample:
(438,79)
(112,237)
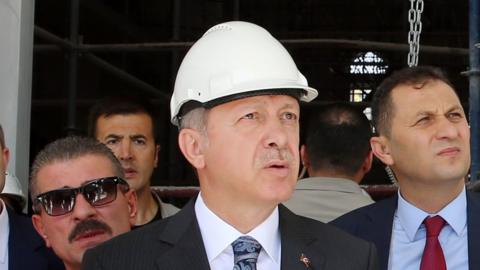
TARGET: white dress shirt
(4,233)
(408,235)
(218,236)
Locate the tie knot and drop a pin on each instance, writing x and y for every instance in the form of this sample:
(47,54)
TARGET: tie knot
(245,252)
(434,225)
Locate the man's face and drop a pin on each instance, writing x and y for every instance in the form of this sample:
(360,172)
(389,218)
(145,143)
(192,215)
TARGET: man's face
(130,137)
(4,155)
(251,153)
(69,235)
(430,139)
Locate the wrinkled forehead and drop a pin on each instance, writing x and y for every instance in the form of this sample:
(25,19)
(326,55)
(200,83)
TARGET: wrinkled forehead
(273,102)
(433,96)
(74,172)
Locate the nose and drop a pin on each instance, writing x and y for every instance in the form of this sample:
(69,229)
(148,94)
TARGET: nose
(447,129)
(125,151)
(82,209)
(275,134)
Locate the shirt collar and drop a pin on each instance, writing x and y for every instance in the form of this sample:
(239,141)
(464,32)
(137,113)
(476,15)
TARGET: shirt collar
(4,233)
(217,235)
(411,217)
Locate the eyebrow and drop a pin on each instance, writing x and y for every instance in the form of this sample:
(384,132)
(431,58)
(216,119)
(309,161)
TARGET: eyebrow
(288,106)
(137,136)
(454,108)
(451,109)
(134,136)
(114,136)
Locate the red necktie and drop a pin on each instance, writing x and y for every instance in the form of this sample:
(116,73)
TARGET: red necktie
(432,258)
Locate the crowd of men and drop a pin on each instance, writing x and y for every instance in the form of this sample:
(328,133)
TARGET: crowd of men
(236,103)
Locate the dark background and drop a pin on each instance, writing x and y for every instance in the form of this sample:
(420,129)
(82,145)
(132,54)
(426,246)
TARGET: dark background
(325,64)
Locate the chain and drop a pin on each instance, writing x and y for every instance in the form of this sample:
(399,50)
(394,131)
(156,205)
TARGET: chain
(414,18)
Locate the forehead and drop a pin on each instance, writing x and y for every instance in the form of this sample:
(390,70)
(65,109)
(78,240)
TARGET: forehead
(74,172)
(270,102)
(138,123)
(435,96)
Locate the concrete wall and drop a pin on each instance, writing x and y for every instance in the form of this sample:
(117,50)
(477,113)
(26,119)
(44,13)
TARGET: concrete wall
(16,50)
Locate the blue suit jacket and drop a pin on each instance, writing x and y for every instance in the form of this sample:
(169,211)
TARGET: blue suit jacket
(26,249)
(374,223)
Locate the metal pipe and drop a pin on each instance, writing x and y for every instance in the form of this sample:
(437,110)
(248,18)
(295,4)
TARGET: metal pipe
(236,10)
(134,81)
(141,85)
(73,68)
(46,35)
(177,45)
(314,42)
(174,155)
(474,89)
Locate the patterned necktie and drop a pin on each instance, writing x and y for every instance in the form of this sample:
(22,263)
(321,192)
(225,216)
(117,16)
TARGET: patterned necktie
(245,253)
(432,258)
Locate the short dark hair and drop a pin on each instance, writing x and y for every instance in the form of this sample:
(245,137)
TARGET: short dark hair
(120,105)
(70,148)
(2,138)
(382,104)
(338,137)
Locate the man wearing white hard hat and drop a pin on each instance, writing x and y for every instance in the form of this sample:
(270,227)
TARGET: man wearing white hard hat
(20,246)
(236,103)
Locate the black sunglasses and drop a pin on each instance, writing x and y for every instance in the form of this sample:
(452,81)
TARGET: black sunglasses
(97,192)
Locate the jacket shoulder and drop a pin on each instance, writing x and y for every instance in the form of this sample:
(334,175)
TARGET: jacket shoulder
(26,248)
(363,216)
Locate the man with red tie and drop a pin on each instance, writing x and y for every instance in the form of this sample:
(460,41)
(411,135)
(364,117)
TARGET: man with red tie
(423,136)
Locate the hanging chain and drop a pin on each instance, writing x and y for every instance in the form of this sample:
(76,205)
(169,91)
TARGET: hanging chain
(414,18)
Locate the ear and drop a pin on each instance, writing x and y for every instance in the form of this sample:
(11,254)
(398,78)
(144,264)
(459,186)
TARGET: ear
(367,163)
(381,149)
(131,196)
(6,156)
(38,225)
(304,156)
(191,144)
(157,150)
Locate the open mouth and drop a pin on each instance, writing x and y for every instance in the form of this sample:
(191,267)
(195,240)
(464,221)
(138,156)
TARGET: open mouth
(278,167)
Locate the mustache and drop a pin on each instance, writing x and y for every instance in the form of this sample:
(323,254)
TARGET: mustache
(276,154)
(88,225)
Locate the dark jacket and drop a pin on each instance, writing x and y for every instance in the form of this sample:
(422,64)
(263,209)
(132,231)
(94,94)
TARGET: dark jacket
(176,243)
(374,223)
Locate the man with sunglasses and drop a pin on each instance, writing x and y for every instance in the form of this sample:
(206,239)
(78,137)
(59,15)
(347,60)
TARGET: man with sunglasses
(79,197)
(237,104)
(20,246)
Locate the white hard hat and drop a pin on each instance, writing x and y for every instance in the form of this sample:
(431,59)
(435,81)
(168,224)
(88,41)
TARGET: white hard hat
(233,60)
(13,188)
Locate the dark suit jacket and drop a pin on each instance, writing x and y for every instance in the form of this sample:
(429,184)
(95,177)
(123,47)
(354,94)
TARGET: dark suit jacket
(175,243)
(26,249)
(374,223)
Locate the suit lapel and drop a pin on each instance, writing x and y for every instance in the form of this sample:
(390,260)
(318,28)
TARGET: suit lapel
(298,244)
(183,235)
(379,228)
(473,225)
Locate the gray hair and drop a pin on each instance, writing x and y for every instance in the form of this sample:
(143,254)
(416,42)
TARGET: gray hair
(70,148)
(195,119)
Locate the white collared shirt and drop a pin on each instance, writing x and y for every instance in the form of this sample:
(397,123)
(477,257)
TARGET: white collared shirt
(408,235)
(218,236)
(4,233)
